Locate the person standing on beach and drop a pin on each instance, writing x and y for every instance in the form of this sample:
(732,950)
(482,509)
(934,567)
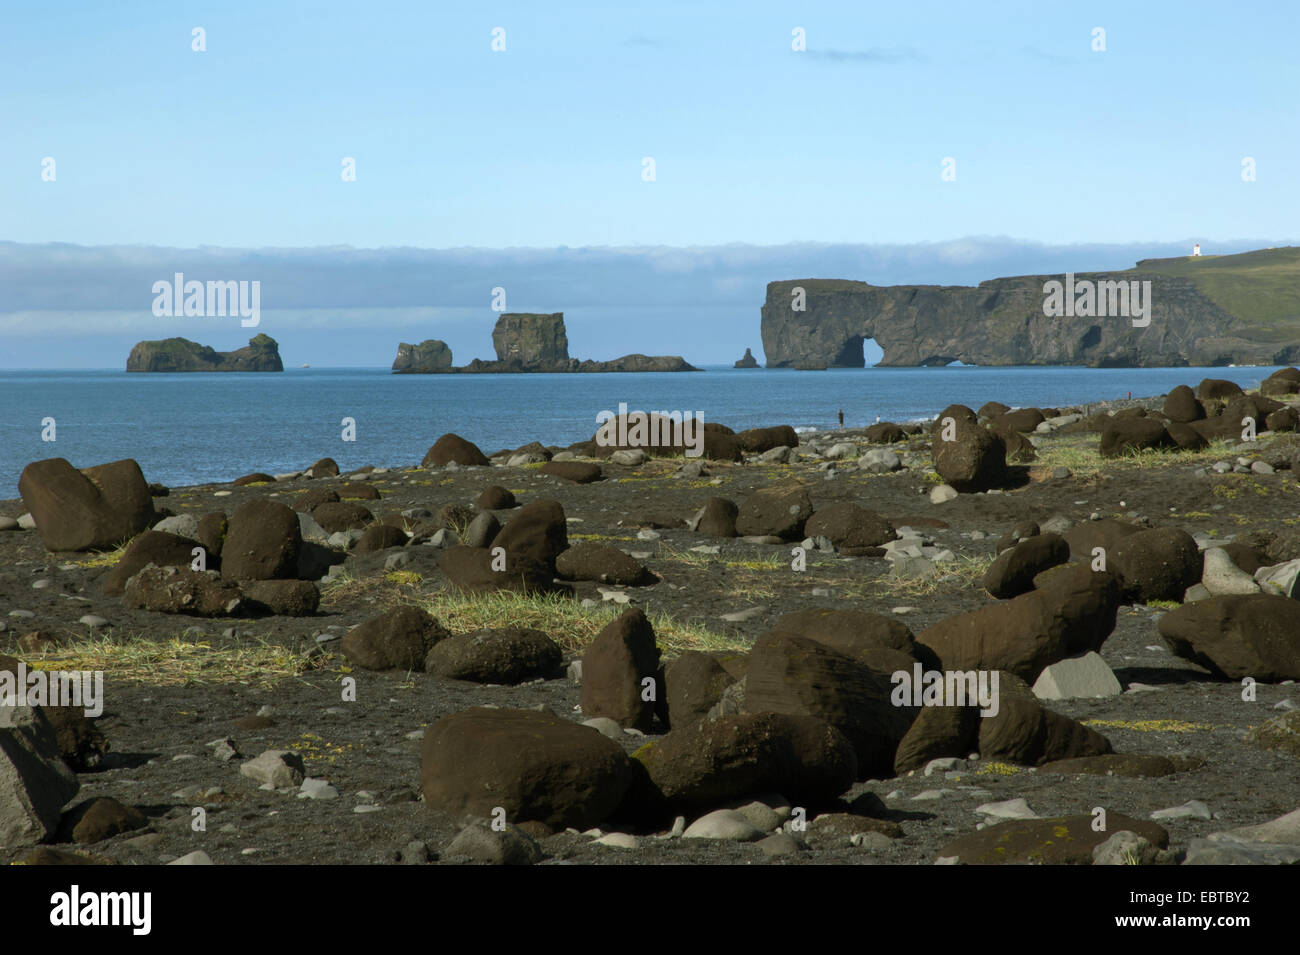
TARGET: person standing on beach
(841,417)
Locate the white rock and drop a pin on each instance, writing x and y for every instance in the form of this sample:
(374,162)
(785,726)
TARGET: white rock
(183,525)
(1085,676)
(605,727)
(197,857)
(631,457)
(27,522)
(1007,809)
(1192,809)
(942,494)
(1222,577)
(1281,579)
(723,824)
(619,840)
(275,767)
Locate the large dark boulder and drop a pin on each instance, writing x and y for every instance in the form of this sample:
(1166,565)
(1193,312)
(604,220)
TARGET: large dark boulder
(262,542)
(1238,636)
(533,765)
(97,508)
(452,448)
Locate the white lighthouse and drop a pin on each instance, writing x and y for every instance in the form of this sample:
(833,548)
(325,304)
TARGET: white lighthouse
(1196,249)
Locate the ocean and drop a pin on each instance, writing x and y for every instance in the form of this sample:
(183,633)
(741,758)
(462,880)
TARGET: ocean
(199,428)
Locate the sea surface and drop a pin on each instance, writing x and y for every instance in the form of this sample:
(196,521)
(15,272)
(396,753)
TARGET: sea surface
(198,428)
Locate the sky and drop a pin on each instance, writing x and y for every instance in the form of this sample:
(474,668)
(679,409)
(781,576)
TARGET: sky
(911,130)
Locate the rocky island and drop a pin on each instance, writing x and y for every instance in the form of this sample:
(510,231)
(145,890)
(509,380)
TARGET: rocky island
(747,360)
(180,354)
(1203,311)
(526,343)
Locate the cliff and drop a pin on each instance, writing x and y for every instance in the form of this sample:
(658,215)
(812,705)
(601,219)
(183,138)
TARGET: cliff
(1210,310)
(527,343)
(180,354)
(431,355)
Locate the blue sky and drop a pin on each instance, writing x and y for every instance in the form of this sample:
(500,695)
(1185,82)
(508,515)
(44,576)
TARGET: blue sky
(541,145)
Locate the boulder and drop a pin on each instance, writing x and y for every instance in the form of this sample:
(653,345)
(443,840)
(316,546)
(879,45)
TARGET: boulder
(453,449)
(1238,636)
(509,656)
(93,509)
(849,526)
(1181,405)
(495,498)
(975,458)
(1156,564)
(884,432)
(1014,570)
(379,537)
(397,639)
(1028,633)
(182,590)
(262,542)
(588,560)
(620,670)
(537,532)
(152,547)
(758,440)
(1124,435)
(779,511)
(34,782)
(696,681)
(282,598)
(579,472)
(1024,731)
(474,570)
(335,516)
(712,762)
(802,677)
(936,732)
(718,518)
(534,765)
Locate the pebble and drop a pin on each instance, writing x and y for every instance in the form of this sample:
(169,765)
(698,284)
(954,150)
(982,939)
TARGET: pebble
(27,522)
(1192,809)
(93,621)
(24,614)
(1007,809)
(222,493)
(317,789)
(41,584)
(8,524)
(902,610)
(740,616)
(619,840)
(723,824)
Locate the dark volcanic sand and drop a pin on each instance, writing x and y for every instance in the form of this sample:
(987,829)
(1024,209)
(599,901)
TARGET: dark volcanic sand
(158,733)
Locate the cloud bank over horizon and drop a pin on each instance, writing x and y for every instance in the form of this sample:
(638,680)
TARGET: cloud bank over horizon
(67,306)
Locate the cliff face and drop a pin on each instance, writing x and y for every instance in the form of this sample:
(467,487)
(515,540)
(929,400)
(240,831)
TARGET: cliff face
(431,355)
(533,340)
(526,343)
(1002,322)
(180,354)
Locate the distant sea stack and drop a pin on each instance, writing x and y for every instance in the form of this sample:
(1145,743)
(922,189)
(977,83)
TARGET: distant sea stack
(428,357)
(1203,310)
(180,354)
(527,343)
(747,360)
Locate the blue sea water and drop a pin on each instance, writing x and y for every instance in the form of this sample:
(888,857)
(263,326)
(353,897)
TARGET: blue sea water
(197,428)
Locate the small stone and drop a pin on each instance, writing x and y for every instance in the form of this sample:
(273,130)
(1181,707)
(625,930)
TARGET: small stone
(278,768)
(942,494)
(1192,809)
(725,824)
(317,789)
(93,621)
